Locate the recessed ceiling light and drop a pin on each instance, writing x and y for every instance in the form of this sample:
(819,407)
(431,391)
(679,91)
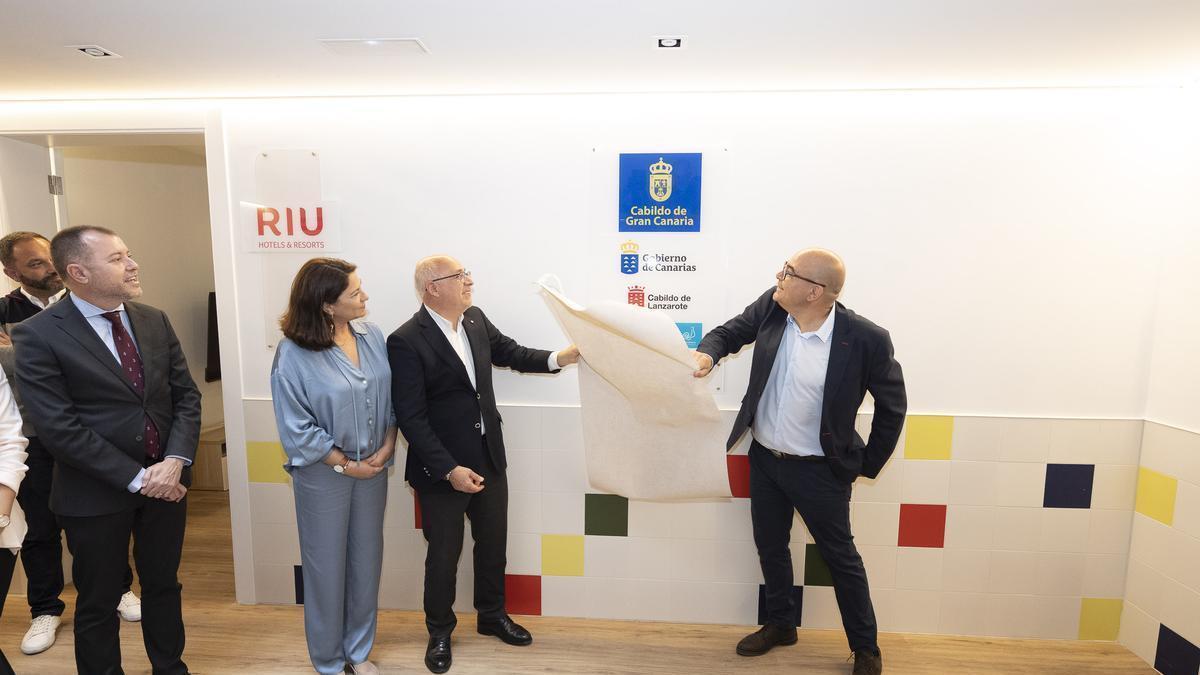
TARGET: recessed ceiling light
(669,42)
(409,45)
(95,51)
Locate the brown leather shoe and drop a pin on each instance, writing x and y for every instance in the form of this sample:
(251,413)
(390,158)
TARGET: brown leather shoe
(867,662)
(762,640)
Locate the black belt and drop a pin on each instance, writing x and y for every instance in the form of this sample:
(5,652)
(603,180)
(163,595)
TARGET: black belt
(788,457)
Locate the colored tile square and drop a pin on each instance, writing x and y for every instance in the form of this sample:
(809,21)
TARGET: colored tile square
(416,511)
(797,598)
(739,475)
(264,462)
(1156,495)
(1100,618)
(299,579)
(816,572)
(1175,655)
(1068,486)
(523,594)
(605,515)
(928,437)
(922,525)
(562,555)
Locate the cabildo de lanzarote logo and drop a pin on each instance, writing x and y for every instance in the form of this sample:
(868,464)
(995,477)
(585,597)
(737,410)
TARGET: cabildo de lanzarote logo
(637,295)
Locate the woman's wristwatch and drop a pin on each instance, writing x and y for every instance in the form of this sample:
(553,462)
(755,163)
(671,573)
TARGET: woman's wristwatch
(341,468)
(5,519)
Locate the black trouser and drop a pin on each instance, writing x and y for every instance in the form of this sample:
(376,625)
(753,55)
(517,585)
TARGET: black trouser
(8,560)
(442,510)
(100,545)
(41,552)
(777,486)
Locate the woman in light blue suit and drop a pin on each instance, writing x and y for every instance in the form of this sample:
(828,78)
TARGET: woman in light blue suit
(331,387)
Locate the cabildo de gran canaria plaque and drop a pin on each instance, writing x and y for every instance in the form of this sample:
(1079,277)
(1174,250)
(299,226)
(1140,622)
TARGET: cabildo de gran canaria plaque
(659,192)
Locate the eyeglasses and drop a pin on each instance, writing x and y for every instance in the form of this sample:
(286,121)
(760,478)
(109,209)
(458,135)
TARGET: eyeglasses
(461,274)
(789,271)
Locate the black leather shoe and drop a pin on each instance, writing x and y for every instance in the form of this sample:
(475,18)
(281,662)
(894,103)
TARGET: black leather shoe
(437,654)
(507,630)
(761,641)
(868,662)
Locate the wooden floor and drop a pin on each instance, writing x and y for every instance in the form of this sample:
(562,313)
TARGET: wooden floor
(224,637)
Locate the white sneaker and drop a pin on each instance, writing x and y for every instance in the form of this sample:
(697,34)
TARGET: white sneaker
(40,635)
(130,607)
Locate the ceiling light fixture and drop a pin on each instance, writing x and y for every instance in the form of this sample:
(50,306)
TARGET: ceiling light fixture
(95,51)
(401,45)
(669,42)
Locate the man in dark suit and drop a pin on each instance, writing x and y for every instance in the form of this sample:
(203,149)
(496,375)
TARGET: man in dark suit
(106,384)
(26,260)
(814,360)
(442,362)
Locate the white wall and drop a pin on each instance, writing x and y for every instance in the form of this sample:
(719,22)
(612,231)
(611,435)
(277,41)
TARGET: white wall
(989,231)
(25,199)
(156,198)
(1174,391)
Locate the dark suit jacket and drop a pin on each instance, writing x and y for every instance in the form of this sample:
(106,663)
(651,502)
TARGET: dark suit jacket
(437,409)
(87,413)
(860,360)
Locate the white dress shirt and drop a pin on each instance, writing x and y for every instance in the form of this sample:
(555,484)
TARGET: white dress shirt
(95,318)
(37,302)
(788,418)
(462,346)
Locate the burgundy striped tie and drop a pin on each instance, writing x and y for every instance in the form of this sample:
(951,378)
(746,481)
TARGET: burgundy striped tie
(131,363)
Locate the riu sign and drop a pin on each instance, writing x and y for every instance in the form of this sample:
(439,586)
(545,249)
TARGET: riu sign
(296,227)
(268,219)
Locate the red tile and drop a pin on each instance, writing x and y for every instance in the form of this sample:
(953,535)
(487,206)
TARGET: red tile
(739,475)
(416,511)
(922,525)
(523,594)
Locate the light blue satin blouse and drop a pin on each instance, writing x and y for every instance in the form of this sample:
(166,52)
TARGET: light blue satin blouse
(322,400)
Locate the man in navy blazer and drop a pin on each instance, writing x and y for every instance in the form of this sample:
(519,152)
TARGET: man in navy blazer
(814,360)
(445,406)
(106,385)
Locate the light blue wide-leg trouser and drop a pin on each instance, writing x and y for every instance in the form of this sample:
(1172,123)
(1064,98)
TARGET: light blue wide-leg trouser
(340,520)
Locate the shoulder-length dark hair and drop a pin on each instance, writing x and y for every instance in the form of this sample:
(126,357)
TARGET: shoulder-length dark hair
(319,282)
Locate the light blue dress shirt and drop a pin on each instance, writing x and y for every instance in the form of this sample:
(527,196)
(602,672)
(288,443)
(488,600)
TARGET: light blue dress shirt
(788,418)
(95,318)
(322,400)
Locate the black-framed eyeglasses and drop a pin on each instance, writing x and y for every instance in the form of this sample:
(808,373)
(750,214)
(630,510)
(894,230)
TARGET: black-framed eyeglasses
(789,271)
(461,274)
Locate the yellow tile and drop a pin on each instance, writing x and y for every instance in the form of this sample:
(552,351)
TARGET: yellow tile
(928,437)
(1099,618)
(1156,495)
(562,555)
(264,462)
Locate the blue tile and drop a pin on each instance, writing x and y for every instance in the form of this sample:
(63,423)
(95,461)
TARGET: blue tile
(1069,486)
(1175,655)
(797,597)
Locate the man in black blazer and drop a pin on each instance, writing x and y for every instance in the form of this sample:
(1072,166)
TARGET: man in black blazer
(813,362)
(106,384)
(445,406)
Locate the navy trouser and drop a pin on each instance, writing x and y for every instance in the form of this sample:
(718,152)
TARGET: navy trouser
(777,486)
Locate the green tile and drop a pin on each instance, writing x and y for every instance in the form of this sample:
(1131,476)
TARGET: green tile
(606,515)
(816,572)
